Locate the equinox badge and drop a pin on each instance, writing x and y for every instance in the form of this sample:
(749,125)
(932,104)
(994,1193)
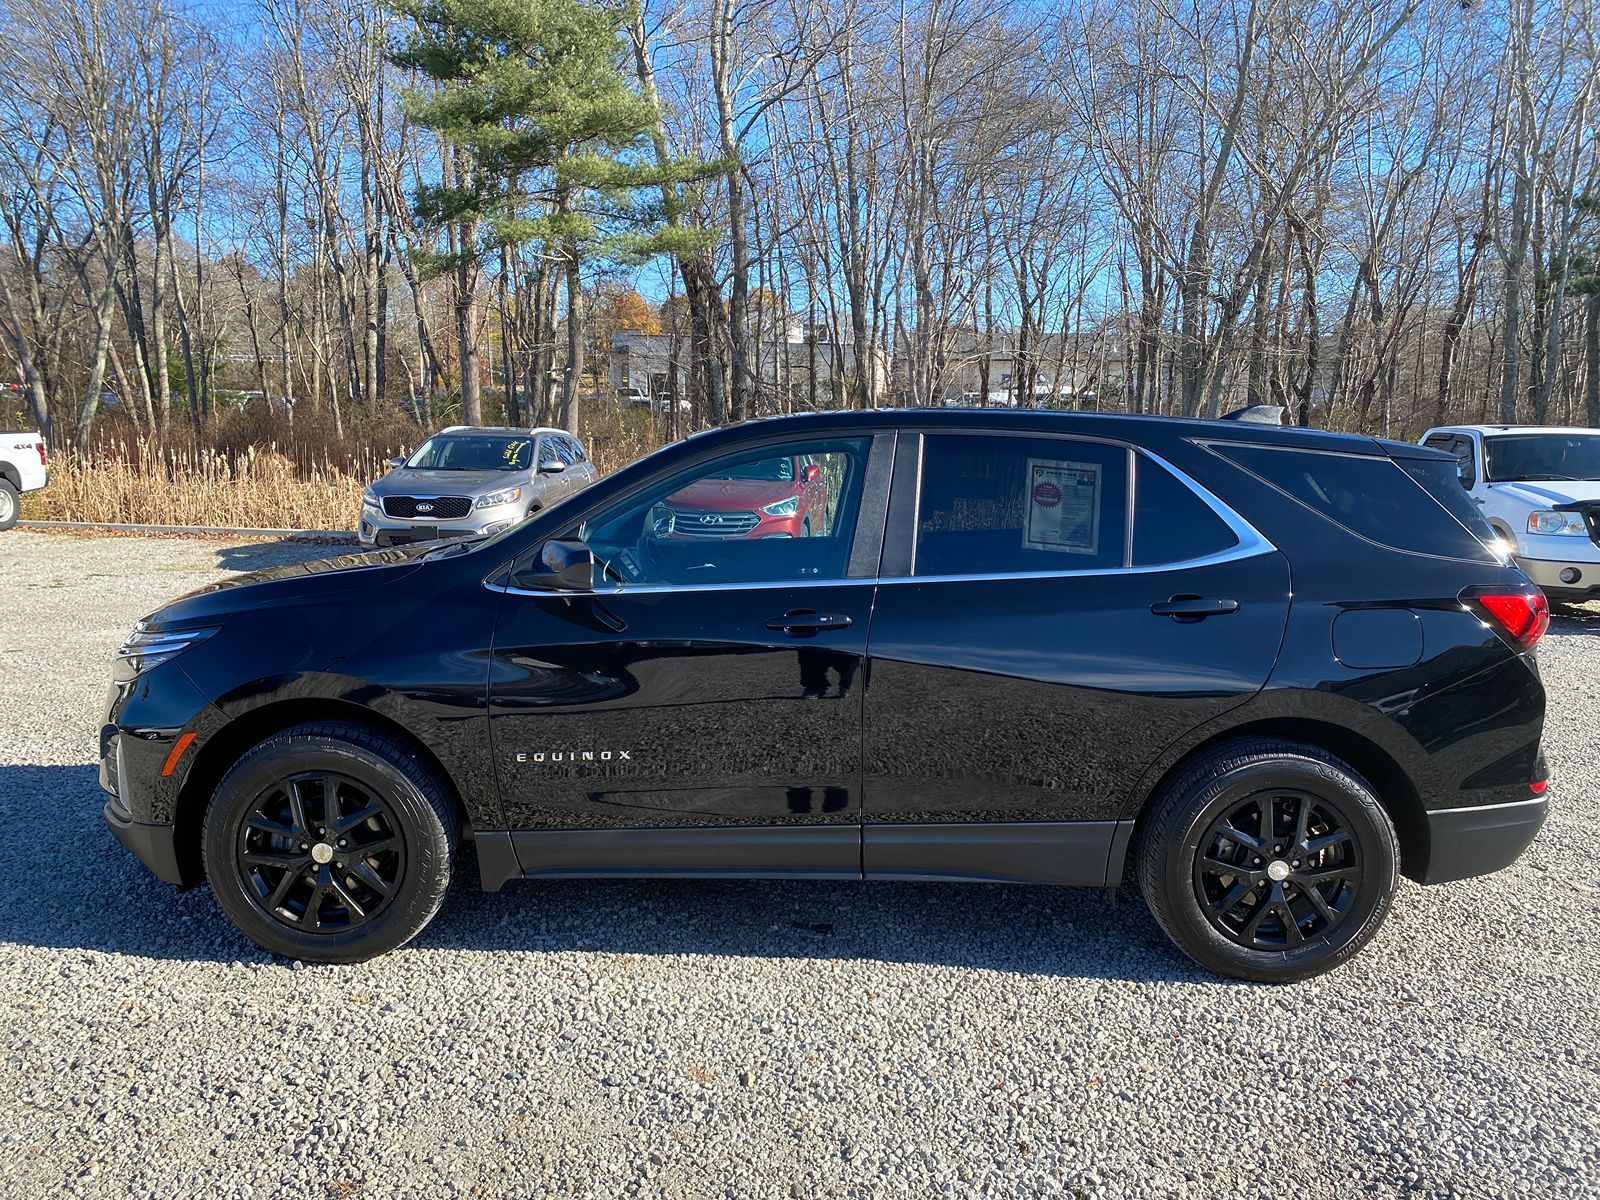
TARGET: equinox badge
(557,756)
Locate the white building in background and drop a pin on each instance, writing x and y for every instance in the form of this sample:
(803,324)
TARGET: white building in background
(1071,372)
(641,364)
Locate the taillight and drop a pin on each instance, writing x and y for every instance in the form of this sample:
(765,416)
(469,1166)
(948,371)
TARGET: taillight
(42,461)
(1521,614)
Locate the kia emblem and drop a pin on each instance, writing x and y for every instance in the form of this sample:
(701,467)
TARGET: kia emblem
(425,507)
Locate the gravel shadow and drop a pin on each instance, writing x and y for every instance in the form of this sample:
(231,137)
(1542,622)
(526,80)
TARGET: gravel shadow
(68,884)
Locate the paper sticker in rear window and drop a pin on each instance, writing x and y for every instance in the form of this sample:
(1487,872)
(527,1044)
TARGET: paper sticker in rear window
(1063,506)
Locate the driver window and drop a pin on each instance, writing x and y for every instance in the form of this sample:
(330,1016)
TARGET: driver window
(778,514)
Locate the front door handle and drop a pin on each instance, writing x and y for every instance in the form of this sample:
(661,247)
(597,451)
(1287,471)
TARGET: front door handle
(803,622)
(1194,608)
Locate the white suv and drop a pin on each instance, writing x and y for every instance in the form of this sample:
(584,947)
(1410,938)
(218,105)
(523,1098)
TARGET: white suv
(1539,486)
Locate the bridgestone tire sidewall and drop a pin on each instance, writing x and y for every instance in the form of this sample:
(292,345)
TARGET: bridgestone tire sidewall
(427,848)
(1365,819)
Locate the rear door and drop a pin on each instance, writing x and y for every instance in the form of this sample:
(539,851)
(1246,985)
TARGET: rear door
(1052,613)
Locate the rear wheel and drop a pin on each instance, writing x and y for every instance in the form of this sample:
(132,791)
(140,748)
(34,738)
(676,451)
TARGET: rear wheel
(10,509)
(1268,860)
(330,842)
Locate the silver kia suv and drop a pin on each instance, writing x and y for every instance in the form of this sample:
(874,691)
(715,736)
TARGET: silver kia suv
(467,480)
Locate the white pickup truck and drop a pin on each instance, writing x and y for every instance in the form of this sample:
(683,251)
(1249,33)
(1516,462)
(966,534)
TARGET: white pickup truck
(1539,487)
(24,467)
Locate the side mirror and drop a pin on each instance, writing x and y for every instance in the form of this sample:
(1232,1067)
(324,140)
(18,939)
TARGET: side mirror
(552,468)
(399,460)
(560,567)
(810,473)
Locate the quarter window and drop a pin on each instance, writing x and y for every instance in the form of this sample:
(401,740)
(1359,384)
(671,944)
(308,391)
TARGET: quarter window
(992,505)
(1170,523)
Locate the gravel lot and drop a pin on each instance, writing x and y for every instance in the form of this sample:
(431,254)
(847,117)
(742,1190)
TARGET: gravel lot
(752,1039)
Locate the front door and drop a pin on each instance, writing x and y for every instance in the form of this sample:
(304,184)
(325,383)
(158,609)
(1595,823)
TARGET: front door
(1040,648)
(710,685)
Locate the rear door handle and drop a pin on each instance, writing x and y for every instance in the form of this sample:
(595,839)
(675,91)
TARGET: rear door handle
(803,622)
(1194,608)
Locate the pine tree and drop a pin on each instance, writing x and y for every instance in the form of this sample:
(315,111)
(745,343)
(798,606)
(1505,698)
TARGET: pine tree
(544,131)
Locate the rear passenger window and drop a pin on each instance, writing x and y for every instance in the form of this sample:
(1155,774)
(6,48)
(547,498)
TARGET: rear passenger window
(1368,495)
(992,505)
(1170,523)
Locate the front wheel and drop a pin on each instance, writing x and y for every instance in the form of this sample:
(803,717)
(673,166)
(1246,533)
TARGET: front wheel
(1268,860)
(330,842)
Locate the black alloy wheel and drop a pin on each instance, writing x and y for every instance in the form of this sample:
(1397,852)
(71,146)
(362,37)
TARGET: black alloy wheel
(1276,869)
(1267,860)
(331,841)
(321,852)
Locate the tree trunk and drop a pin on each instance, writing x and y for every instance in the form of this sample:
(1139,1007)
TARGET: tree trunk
(104,307)
(1591,356)
(572,378)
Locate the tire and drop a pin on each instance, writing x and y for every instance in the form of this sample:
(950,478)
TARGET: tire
(805,528)
(1335,896)
(308,908)
(10,506)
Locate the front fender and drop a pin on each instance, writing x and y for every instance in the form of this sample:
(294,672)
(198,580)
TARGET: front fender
(447,720)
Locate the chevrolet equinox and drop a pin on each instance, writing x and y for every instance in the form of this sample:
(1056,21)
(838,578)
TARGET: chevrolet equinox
(1263,671)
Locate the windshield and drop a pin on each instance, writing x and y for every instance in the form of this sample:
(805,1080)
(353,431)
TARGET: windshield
(1548,456)
(473,453)
(768,470)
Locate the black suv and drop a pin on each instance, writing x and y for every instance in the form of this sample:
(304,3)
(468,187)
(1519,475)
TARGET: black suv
(1264,670)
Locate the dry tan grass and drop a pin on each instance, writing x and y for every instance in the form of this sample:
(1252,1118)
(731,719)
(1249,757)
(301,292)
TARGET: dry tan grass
(258,487)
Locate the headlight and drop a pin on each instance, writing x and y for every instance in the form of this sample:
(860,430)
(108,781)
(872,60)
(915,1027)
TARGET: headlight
(146,648)
(505,496)
(369,497)
(783,508)
(1549,521)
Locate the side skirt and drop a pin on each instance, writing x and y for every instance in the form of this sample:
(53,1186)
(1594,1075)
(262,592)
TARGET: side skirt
(739,852)
(1072,853)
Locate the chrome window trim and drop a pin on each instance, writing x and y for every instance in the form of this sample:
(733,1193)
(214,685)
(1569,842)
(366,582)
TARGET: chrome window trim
(1222,556)
(1251,544)
(658,589)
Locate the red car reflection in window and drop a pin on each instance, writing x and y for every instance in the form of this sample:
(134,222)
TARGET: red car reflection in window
(770,497)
